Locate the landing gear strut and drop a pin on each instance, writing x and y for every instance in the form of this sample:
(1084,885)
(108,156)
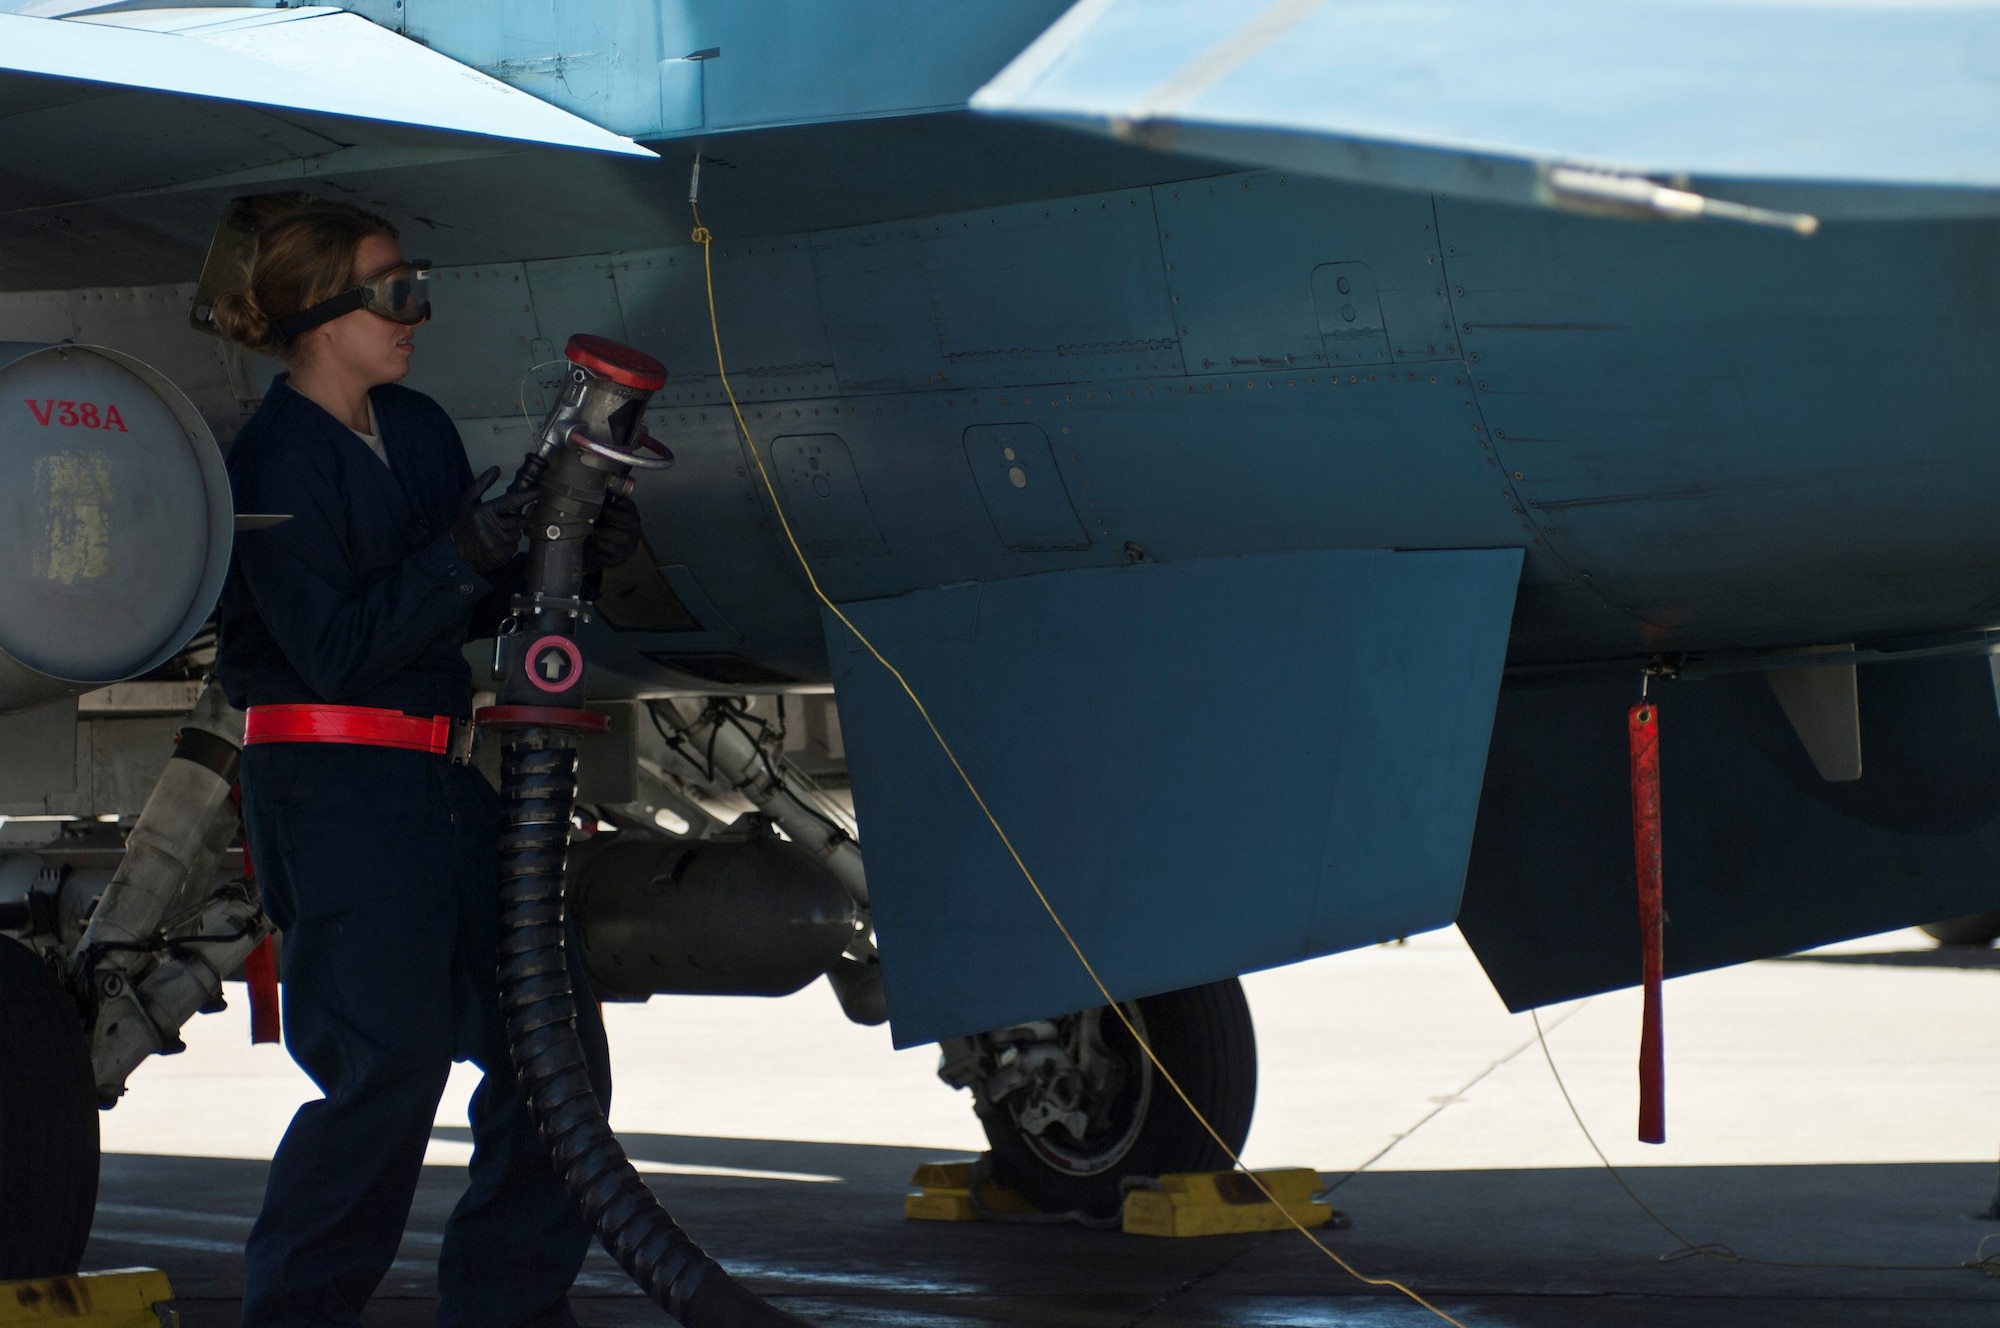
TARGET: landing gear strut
(83,1003)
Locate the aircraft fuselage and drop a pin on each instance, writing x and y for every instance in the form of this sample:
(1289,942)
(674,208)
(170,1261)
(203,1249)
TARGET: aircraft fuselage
(1707,437)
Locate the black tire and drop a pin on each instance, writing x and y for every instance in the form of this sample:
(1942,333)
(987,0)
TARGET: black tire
(1978,929)
(1204,1037)
(48,1123)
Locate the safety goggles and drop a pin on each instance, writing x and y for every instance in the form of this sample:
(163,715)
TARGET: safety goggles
(395,293)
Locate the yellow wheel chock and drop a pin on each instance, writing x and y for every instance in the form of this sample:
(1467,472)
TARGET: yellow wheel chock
(1220,1203)
(119,1298)
(1202,1203)
(944,1194)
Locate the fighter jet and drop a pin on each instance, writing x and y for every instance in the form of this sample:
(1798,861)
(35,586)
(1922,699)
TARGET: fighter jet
(1277,444)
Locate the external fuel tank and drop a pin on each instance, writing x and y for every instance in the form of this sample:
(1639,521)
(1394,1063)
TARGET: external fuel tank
(115,520)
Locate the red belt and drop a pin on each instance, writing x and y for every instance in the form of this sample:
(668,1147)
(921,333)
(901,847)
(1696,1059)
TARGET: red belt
(361,725)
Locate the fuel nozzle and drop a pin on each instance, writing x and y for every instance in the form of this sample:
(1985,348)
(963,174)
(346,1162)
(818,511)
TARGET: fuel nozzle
(602,408)
(588,447)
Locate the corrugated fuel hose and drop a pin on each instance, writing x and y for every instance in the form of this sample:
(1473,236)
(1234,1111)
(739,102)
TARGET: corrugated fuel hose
(592,440)
(538,794)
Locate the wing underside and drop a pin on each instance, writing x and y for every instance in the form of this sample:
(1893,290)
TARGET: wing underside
(105,121)
(1849,108)
(317,60)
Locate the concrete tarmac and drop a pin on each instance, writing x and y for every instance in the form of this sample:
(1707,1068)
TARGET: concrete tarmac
(1836,1115)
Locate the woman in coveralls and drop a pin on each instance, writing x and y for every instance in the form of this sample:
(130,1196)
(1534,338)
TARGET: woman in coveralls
(373,840)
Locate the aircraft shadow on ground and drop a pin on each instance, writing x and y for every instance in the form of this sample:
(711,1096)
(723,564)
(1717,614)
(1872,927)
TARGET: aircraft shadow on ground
(1513,1248)
(1944,956)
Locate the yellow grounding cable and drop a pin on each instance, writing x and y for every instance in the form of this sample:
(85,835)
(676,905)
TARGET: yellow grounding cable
(703,238)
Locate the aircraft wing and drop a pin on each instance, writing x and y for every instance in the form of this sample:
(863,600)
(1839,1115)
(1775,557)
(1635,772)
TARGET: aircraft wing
(1846,108)
(313,59)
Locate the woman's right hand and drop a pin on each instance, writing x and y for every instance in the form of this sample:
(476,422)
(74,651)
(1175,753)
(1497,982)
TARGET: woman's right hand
(487,533)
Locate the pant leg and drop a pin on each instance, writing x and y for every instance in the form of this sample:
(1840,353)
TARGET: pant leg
(515,1242)
(363,887)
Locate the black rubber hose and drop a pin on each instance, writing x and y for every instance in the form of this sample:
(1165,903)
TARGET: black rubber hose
(538,795)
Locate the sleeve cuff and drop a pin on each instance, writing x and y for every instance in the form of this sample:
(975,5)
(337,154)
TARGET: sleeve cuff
(441,560)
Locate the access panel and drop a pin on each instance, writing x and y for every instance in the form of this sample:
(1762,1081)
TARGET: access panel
(1023,488)
(1117,721)
(823,496)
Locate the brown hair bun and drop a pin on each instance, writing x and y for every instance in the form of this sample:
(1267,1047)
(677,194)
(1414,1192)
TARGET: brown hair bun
(237,316)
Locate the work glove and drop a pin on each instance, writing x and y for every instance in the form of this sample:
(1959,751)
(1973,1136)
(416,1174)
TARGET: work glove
(616,536)
(488,533)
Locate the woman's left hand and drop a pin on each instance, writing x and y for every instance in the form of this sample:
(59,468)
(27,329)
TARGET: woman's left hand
(616,537)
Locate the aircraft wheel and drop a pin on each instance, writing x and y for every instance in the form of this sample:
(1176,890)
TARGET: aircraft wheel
(48,1123)
(1086,1108)
(1978,929)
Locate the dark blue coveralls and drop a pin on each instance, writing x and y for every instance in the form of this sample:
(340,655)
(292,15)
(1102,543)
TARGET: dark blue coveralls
(379,866)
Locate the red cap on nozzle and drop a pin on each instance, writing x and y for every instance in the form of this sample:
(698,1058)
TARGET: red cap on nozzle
(620,363)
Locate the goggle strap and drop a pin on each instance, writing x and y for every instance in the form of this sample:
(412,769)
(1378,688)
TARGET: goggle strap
(305,320)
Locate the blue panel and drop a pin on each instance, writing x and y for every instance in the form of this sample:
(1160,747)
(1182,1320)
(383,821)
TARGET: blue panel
(575,295)
(1110,718)
(1052,292)
(681,94)
(1022,487)
(596,60)
(877,309)
(1763,857)
(478,370)
(767,306)
(313,61)
(1241,252)
(823,496)
(791,60)
(1468,96)
(569,295)
(622,62)
(1350,314)
(1709,424)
